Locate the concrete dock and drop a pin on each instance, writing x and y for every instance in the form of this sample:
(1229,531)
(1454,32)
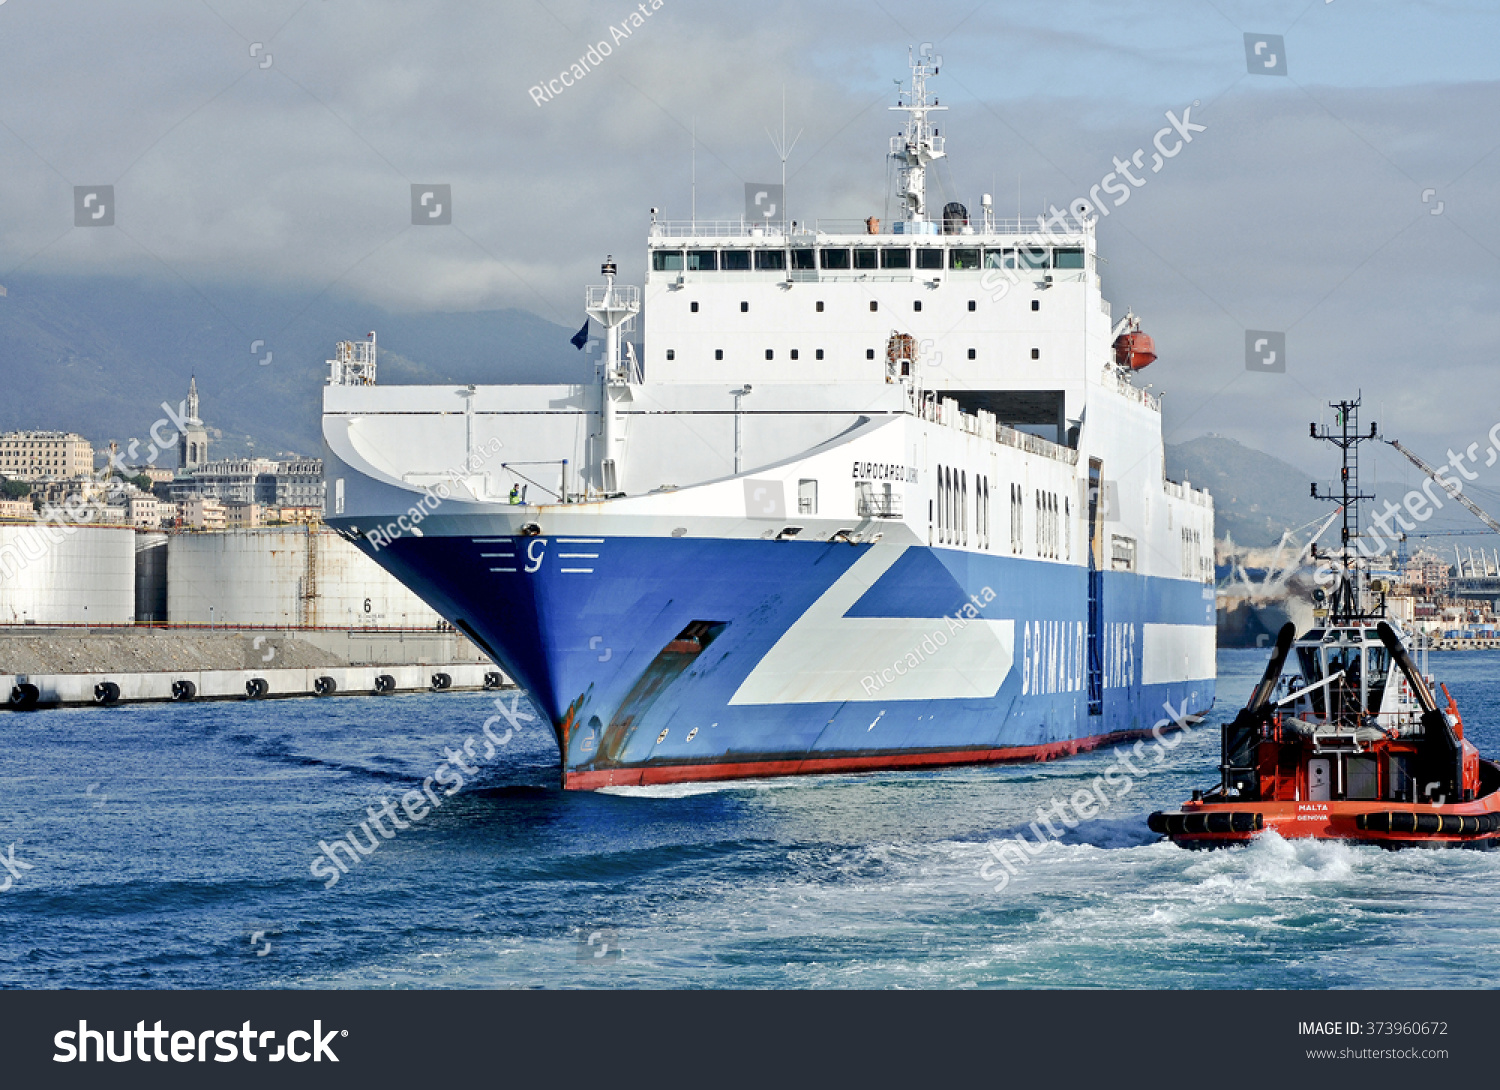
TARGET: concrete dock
(51,667)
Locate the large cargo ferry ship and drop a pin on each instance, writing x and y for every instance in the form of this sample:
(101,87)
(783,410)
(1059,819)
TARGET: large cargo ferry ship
(868,497)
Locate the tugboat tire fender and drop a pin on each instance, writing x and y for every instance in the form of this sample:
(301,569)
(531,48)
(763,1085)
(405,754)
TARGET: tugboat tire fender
(1406,821)
(1218,821)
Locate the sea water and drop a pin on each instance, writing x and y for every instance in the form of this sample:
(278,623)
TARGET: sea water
(172,846)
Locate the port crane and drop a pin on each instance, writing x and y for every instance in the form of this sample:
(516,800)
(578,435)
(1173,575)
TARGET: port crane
(1449,487)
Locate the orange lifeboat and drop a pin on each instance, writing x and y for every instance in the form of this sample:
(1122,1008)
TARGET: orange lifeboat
(1134,350)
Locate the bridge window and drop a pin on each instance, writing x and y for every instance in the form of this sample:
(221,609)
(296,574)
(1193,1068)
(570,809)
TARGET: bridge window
(1029,257)
(995,259)
(666,260)
(1067,259)
(702,260)
(803,259)
(834,259)
(929,257)
(770,260)
(866,259)
(963,259)
(734,260)
(891,258)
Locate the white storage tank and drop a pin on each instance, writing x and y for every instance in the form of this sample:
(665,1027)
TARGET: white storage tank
(65,574)
(291,577)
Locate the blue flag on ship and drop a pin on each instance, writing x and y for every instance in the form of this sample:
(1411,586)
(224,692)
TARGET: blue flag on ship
(581,338)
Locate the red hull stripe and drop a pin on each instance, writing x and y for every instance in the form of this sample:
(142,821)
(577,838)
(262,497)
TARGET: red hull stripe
(641,776)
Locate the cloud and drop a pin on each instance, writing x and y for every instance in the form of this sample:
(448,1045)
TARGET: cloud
(1299,209)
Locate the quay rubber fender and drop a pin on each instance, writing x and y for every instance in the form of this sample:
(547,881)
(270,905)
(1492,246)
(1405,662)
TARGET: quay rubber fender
(24,696)
(384,683)
(441,681)
(325,686)
(494,679)
(183,689)
(256,688)
(106,692)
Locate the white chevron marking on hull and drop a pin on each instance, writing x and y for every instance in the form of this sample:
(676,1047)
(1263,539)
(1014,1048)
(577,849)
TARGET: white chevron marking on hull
(827,657)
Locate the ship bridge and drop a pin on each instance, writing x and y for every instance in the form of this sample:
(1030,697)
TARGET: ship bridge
(997,315)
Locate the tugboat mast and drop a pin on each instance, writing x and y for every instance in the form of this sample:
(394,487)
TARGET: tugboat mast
(1347,604)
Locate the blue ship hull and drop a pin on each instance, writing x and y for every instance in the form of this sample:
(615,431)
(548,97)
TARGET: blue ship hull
(661,660)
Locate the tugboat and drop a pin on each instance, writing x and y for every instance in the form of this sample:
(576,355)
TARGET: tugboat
(1343,739)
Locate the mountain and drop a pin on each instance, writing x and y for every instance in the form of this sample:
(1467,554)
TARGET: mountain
(1256,495)
(99,355)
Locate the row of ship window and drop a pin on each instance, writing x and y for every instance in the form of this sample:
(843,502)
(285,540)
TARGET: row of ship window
(916,305)
(1036,353)
(953,511)
(867,257)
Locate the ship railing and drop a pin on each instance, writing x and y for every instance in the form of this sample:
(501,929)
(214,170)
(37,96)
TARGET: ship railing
(947,412)
(1114,380)
(796,231)
(738,228)
(881,501)
(625,296)
(1185,491)
(1035,444)
(900,145)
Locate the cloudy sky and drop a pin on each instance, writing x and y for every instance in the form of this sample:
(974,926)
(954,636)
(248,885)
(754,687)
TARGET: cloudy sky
(1348,203)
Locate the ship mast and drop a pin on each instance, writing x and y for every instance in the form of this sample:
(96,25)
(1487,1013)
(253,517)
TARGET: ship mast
(1347,604)
(615,309)
(919,145)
